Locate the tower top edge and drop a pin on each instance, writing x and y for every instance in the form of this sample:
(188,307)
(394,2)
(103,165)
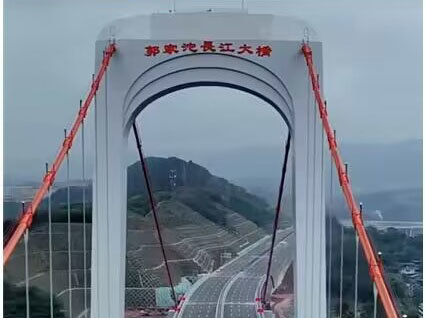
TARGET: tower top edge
(208,25)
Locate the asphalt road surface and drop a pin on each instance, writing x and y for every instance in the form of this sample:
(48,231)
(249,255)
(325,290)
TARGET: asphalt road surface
(231,290)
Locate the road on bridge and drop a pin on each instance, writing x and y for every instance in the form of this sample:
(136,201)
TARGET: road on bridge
(231,290)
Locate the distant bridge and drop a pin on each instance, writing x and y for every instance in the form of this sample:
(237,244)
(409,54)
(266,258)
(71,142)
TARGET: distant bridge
(383,225)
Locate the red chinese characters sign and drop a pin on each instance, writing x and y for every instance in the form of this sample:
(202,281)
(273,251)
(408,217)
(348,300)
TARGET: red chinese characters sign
(169,49)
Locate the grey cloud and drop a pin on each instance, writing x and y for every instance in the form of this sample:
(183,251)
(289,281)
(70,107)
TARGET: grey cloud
(373,78)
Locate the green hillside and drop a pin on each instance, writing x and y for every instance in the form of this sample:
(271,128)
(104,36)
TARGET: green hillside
(202,218)
(195,186)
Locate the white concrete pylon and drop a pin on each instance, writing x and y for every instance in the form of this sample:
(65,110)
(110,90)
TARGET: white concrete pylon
(135,79)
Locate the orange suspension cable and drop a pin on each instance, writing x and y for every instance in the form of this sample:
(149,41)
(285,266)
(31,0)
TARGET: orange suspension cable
(26,219)
(375,267)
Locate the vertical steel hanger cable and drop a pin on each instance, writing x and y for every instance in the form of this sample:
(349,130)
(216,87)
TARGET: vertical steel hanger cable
(83,172)
(27,287)
(50,244)
(68,190)
(330,209)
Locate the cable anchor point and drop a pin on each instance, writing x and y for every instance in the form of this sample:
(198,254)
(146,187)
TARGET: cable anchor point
(306,37)
(112,32)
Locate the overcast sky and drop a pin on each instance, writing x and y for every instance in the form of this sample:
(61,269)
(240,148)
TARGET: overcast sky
(372,62)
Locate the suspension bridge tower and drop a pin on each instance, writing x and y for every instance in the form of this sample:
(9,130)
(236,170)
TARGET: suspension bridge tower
(163,53)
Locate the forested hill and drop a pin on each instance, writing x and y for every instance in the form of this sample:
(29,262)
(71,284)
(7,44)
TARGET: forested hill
(194,186)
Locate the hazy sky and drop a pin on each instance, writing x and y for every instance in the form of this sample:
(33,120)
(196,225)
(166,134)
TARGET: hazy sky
(372,62)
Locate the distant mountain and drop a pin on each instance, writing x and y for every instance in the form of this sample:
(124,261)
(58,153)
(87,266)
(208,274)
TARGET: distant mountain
(379,170)
(391,205)
(385,177)
(195,186)
(373,167)
(383,167)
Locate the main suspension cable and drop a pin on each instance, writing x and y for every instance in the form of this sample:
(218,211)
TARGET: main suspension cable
(25,221)
(276,217)
(375,269)
(153,207)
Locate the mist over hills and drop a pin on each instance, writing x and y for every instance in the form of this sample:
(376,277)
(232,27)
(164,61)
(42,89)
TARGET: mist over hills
(390,205)
(380,167)
(385,177)
(372,167)
(194,186)
(385,174)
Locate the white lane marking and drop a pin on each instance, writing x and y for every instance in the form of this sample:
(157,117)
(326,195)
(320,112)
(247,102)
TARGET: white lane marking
(216,273)
(219,312)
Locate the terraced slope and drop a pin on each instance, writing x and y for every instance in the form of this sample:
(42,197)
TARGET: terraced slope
(205,221)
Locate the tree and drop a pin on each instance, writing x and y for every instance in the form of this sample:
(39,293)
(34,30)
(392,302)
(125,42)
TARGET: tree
(15,303)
